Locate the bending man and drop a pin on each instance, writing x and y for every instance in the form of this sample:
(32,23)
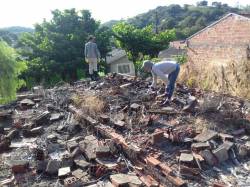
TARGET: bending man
(167,71)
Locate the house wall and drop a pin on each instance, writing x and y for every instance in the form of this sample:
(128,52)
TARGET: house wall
(218,57)
(123,60)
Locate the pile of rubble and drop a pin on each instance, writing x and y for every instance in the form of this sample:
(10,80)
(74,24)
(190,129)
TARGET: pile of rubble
(113,132)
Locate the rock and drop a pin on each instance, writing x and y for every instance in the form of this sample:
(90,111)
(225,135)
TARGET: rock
(41,165)
(4,145)
(53,167)
(62,172)
(227,145)
(221,153)
(242,151)
(191,104)
(82,163)
(206,136)
(37,131)
(157,137)
(121,180)
(88,146)
(71,145)
(186,158)
(79,173)
(19,166)
(226,137)
(102,152)
(209,157)
(104,119)
(200,146)
(52,138)
(55,117)
(119,124)
(135,106)
(12,134)
(42,119)
(26,103)
(239,132)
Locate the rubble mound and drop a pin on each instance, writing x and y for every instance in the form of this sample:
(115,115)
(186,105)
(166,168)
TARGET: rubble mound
(113,132)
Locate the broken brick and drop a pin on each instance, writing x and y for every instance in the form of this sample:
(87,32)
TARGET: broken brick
(79,173)
(71,145)
(206,136)
(72,182)
(149,181)
(226,137)
(157,137)
(186,158)
(209,157)
(80,162)
(53,167)
(200,146)
(19,166)
(152,161)
(102,151)
(221,154)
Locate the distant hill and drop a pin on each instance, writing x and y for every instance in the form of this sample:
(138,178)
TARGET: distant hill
(186,20)
(17,29)
(10,34)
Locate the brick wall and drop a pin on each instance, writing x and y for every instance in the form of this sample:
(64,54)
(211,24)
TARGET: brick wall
(221,52)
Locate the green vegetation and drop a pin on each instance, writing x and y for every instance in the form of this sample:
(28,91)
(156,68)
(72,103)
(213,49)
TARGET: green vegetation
(55,51)
(140,42)
(9,72)
(186,20)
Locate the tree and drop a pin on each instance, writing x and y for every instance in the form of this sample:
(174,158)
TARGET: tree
(55,50)
(10,68)
(139,42)
(202,3)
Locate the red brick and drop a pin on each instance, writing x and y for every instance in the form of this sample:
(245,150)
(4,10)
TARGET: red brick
(152,161)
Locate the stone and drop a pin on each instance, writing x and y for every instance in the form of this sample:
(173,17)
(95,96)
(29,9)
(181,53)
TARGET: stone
(42,119)
(53,167)
(226,137)
(187,158)
(52,138)
(157,137)
(4,145)
(12,134)
(71,145)
(209,157)
(37,131)
(134,106)
(239,132)
(200,146)
(41,165)
(19,166)
(121,180)
(119,124)
(79,173)
(104,119)
(227,145)
(67,160)
(76,152)
(27,103)
(168,109)
(102,151)
(80,162)
(206,136)
(62,172)
(221,153)
(88,146)
(55,117)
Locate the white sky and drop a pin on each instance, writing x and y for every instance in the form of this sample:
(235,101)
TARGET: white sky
(28,12)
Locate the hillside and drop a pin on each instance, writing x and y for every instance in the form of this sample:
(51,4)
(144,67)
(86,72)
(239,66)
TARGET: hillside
(17,29)
(186,19)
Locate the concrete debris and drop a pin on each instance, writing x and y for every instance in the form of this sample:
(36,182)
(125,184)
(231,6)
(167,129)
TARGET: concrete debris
(112,132)
(62,172)
(205,136)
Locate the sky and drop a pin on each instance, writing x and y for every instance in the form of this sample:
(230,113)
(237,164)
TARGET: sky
(28,12)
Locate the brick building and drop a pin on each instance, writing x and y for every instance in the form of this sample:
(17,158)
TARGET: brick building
(219,56)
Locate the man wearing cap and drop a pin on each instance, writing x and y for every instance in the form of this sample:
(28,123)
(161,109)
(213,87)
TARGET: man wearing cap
(167,71)
(92,56)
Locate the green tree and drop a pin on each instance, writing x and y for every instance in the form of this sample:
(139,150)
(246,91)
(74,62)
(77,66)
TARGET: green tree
(10,69)
(139,42)
(55,50)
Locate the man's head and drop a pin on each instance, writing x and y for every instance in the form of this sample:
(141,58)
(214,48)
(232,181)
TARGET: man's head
(91,38)
(147,65)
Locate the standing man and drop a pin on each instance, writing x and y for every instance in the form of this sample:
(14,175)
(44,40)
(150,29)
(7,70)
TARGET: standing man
(167,71)
(92,56)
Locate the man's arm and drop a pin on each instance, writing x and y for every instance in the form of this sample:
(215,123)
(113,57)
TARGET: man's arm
(98,55)
(154,83)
